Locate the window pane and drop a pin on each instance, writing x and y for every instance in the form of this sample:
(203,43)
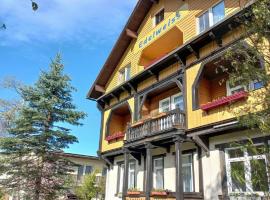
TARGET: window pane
(165,105)
(256,150)
(187,173)
(178,102)
(235,153)
(88,169)
(187,178)
(131,175)
(234,91)
(158,173)
(127,77)
(159,179)
(218,12)
(121,177)
(159,17)
(238,176)
(257,85)
(80,172)
(259,175)
(204,22)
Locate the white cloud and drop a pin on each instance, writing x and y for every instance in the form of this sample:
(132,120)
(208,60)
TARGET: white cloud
(81,21)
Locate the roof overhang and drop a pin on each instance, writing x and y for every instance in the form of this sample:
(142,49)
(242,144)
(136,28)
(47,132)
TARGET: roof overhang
(133,24)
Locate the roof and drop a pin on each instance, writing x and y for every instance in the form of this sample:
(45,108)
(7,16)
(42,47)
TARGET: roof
(134,22)
(72,155)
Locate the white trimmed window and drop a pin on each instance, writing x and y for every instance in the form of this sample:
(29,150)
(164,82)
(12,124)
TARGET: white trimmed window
(158,173)
(131,174)
(171,103)
(124,74)
(245,164)
(177,101)
(164,105)
(234,89)
(211,16)
(187,168)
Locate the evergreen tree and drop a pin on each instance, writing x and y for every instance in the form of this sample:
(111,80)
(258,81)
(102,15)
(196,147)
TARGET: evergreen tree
(30,161)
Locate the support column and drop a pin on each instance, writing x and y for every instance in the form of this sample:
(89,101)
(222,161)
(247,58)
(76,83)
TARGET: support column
(126,168)
(200,170)
(149,171)
(179,176)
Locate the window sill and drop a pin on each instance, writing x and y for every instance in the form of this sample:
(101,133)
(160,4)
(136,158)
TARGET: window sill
(224,101)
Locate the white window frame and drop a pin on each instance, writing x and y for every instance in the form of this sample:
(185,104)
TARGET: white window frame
(155,168)
(173,102)
(133,162)
(162,101)
(211,17)
(123,74)
(246,160)
(231,89)
(191,166)
(154,17)
(252,83)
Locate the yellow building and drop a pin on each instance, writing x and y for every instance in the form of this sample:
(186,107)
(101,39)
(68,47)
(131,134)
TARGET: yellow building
(166,120)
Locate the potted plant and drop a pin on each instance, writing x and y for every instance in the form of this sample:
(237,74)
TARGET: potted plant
(159,192)
(133,191)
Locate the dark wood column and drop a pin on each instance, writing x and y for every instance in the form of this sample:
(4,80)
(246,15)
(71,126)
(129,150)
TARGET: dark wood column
(149,171)
(200,170)
(126,168)
(178,165)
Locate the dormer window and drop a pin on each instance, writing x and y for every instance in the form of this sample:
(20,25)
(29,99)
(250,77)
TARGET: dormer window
(211,16)
(124,74)
(159,17)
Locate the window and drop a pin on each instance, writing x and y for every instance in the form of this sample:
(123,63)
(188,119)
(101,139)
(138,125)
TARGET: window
(88,169)
(177,102)
(158,173)
(171,103)
(124,74)
(211,17)
(249,167)
(159,17)
(187,172)
(234,89)
(254,85)
(120,177)
(164,105)
(131,175)
(80,172)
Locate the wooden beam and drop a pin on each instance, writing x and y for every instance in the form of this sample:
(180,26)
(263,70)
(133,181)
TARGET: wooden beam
(179,84)
(137,156)
(99,88)
(181,60)
(192,50)
(154,1)
(125,178)
(131,34)
(216,38)
(132,87)
(202,143)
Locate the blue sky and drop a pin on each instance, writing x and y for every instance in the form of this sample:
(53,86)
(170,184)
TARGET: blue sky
(84,31)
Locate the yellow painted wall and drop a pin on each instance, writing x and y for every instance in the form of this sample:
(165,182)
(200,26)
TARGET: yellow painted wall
(191,9)
(105,145)
(188,26)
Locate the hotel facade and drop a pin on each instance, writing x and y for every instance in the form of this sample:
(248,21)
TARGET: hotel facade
(167,125)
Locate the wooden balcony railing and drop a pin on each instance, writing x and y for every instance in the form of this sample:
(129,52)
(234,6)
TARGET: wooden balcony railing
(155,125)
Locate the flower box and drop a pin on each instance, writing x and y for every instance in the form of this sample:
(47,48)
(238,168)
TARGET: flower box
(224,101)
(133,192)
(157,193)
(115,136)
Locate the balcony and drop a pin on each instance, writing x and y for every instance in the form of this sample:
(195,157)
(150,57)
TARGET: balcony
(161,123)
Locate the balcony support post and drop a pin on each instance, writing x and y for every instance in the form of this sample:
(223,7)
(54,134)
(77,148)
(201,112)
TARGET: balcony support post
(126,168)
(179,176)
(149,170)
